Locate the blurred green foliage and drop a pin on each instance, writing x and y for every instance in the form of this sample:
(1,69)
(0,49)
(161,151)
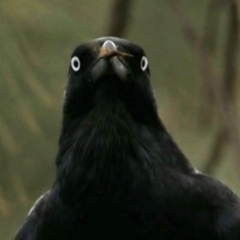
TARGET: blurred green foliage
(37,39)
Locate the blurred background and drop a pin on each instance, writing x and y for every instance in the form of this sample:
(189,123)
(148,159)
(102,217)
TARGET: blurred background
(192,48)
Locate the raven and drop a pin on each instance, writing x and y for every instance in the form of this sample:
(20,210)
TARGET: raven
(120,175)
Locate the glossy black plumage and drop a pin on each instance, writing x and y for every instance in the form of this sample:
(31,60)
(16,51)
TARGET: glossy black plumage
(119,173)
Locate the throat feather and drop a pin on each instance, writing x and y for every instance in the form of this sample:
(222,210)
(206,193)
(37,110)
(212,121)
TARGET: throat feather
(109,153)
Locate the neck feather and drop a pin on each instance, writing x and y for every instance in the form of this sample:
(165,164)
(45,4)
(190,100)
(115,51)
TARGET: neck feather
(107,151)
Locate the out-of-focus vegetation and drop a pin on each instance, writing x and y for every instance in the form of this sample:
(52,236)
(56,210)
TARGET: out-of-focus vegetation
(37,39)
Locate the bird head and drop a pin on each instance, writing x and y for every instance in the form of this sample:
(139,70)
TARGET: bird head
(109,67)
(110,119)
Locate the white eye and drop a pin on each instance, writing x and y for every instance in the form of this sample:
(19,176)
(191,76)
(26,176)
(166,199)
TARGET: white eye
(75,64)
(144,63)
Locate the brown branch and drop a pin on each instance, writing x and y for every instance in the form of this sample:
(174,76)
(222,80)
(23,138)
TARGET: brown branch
(212,25)
(229,83)
(215,83)
(231,51)
(215,156)
(210,43)
(210,39)
(119,17)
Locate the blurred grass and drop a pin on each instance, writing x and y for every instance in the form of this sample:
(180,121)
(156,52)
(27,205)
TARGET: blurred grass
(37,39)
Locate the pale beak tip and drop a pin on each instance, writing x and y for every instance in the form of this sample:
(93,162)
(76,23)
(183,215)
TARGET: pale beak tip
(109,45)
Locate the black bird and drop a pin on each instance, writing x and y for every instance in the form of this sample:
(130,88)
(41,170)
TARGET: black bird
(119,173)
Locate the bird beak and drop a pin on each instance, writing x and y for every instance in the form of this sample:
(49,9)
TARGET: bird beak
(110,61)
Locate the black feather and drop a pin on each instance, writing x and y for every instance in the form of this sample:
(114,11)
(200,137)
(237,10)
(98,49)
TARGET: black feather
(119,173)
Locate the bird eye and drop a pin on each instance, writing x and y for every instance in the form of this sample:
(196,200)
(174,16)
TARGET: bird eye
(75,64)
(144,63)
